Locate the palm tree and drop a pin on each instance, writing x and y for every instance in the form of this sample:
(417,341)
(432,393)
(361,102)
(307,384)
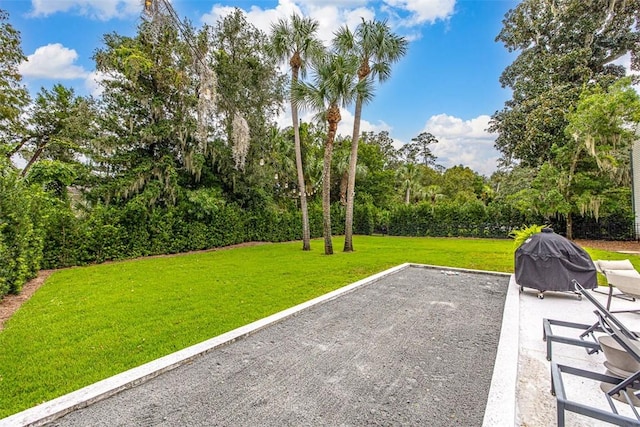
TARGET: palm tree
(295,40)
(333,86)
(409,176)
(433,193)
(376,48)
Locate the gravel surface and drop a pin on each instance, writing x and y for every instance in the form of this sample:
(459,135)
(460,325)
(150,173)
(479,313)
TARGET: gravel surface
(414,348)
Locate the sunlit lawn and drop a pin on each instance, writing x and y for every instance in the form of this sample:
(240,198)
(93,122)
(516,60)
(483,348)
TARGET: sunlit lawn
(86,324)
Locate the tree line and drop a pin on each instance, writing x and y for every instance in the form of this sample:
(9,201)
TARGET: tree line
(180,151)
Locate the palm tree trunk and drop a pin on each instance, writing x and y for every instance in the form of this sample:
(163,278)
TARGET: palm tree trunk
(326,188)
(351,184)
(306,233)
(344,179)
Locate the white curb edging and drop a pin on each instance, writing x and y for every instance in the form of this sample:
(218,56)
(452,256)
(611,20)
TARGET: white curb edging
(501,403)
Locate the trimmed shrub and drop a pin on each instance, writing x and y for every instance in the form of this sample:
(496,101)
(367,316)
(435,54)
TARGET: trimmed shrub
(364,216)
(20,237)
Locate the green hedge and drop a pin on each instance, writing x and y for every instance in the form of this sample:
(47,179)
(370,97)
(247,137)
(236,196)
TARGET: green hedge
(39,230)
(21,239)
(112,233)
(451,219)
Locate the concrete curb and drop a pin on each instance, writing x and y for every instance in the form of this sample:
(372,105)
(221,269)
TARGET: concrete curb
(501,403)
(56,408)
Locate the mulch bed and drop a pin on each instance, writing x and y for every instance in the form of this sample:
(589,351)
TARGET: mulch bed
(10,303)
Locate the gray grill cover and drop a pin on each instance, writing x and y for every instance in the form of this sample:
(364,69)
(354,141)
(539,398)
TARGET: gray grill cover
(548,262)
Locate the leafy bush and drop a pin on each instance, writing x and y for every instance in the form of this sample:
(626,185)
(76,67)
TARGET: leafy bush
(522,234)
(104,238)
(20,237)
(364,217)
(63,236)
(203,220)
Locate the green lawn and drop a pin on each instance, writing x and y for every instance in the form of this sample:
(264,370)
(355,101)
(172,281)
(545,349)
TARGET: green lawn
(86,324)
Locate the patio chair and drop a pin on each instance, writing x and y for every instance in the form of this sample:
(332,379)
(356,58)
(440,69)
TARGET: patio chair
(622,276)
(587,337)
(613,387)
(621,388)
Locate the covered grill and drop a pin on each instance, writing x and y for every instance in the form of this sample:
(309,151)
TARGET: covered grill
(548,262)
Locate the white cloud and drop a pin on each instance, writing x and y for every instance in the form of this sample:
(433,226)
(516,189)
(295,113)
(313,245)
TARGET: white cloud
(332,14)
(420,11)
(355,16)
(53,61)
(103,9)
(92,83)
(338,3)
(464,142)
(345,127)
(261,18)
(413,12)
(331,18)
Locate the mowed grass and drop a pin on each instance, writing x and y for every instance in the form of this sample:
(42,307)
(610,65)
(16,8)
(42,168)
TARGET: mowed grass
(86,324)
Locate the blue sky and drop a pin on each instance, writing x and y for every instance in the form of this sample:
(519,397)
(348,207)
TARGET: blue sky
(447,84)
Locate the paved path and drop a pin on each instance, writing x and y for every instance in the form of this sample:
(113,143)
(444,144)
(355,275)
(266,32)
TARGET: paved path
(414,348)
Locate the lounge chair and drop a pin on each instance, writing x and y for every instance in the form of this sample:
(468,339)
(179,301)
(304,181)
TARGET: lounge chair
(622,276)
(587,338)
(619,388)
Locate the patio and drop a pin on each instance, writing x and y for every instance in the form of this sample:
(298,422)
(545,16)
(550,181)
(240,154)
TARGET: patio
(535,404)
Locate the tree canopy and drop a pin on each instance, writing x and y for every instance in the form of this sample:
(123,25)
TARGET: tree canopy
(13,96)
(562,46)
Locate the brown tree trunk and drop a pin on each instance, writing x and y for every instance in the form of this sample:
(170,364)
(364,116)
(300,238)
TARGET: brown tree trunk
(17,148)
(351,185)
(569,226)
(343,187)
(32,160)
(306,233)
(332,115)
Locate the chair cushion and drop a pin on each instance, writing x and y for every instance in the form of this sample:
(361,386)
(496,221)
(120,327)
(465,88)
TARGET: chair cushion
(627,281)
(602,265)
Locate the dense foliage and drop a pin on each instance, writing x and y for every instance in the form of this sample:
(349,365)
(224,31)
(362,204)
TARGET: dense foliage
(20,231)
(566,66)
(181,152)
